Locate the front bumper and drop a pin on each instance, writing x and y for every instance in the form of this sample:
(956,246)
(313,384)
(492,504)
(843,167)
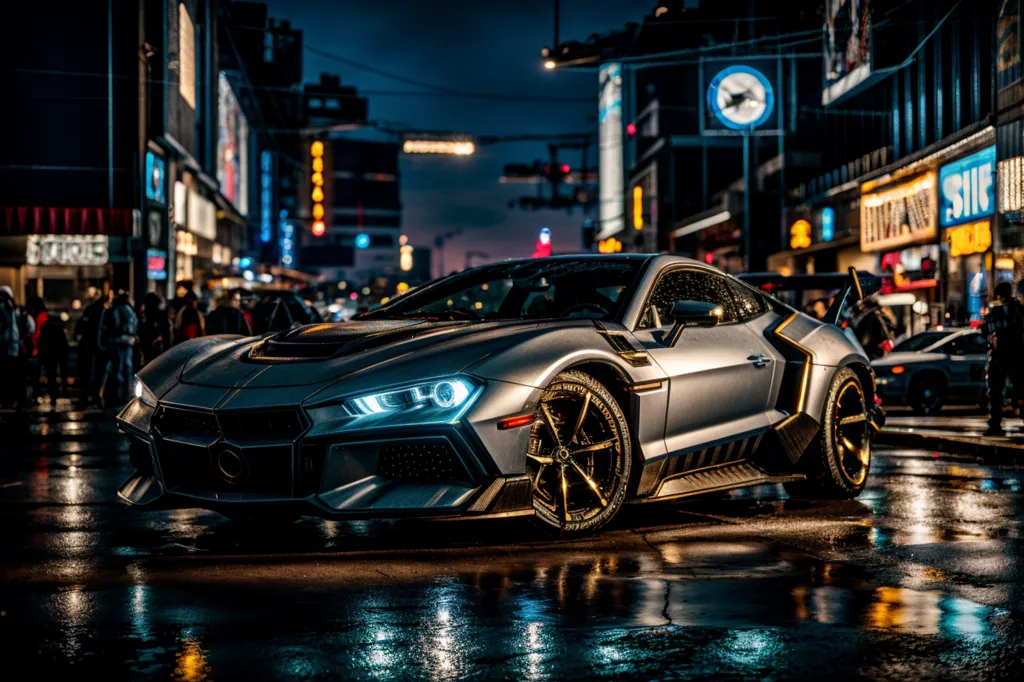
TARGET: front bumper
(270,460)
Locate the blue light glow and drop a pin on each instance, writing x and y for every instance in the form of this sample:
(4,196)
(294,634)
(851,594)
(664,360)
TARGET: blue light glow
(828,224)
(362,240)
(266,196)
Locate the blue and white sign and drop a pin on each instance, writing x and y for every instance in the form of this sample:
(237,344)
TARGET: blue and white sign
(828,224)
(155,178)
(287,241)
(968,188)
(741,97)
(266,196)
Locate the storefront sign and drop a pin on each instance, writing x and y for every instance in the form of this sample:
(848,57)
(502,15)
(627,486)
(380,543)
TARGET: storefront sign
(800,235)
(968,188)
(266,196)
(155,180)
(971,238)
(180,213)
(610,150)
(156,264)
(202,216)
(61,249)
(895,216)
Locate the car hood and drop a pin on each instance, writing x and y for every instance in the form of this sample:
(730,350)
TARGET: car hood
(907,358)
(372,352)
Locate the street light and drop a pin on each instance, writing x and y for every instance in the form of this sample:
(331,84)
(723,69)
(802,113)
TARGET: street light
(451,147)
(549,64)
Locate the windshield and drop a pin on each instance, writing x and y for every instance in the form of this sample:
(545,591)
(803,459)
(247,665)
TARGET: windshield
(920,341)
(594,288)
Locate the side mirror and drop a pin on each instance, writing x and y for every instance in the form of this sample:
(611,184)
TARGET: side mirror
(692,314)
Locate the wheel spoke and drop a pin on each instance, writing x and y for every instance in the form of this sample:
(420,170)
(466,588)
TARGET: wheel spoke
(591,482)
(594,447)
(541,458)
(853,419)
(849,445)
(549,421)
(565,495)
(579,419)
(536,480)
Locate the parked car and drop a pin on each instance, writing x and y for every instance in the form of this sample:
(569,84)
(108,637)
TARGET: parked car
(934,368)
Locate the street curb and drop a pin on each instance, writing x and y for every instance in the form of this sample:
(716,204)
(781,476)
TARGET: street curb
(992,450)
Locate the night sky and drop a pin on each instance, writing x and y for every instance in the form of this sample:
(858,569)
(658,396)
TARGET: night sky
(469,46)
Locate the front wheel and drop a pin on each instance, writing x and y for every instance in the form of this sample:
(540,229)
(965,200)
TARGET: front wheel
(837,464)
(579,455)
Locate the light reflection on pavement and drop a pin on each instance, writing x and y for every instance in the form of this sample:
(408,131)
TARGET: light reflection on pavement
(920,577)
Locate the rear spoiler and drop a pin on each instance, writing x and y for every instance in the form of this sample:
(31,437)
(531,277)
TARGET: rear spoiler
(852,286)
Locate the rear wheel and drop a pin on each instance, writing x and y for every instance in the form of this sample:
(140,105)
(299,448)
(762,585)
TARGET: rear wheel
(579,455)
(927,394)
(837,465)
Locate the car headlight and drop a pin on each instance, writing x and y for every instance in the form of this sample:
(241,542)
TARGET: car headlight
(438,401)
(140,391)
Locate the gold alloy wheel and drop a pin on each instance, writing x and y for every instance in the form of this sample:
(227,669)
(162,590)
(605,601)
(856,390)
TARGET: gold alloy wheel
(575,458)
(852,433)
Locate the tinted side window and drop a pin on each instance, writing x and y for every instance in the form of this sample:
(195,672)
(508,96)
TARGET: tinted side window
(689,285)
(968,345)
(749,304)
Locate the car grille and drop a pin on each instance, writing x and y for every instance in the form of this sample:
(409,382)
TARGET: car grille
(189,446)
(419,462)
(171,421)
(278,425)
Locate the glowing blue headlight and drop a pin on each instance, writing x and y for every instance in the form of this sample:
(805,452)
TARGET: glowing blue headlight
(438,401)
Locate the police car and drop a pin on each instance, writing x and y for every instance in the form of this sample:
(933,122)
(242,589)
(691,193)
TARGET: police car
(934,368)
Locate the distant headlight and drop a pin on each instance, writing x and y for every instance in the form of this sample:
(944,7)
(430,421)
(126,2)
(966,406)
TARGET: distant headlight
(438,401)
(142,393)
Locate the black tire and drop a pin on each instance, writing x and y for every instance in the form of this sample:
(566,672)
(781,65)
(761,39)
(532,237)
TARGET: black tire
(834,470)
(580,466)
(927,394)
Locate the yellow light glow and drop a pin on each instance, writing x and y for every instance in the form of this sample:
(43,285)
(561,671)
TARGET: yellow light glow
(317,148)
(318,179)
(478,305)
(1004,263)
(318,211)
(385,300)
(800,235)
(549,64)
(453,147)
(451,302)
(318,194)
(319,228)
(610,245)
(638,207)
(965,240)
(485,286)
(403,240)
(405,258)
(318,165)
(402,287)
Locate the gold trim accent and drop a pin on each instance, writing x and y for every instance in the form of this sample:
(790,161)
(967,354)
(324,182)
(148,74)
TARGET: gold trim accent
(647,386)
(806,378)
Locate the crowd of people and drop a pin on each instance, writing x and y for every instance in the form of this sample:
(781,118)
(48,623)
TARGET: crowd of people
(111,341)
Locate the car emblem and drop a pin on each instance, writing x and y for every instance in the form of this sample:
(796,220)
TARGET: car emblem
(231,465)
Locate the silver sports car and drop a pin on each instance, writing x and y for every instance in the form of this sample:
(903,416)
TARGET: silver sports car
(560,388)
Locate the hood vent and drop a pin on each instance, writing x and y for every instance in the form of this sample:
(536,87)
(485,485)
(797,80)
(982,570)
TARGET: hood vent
(322,341)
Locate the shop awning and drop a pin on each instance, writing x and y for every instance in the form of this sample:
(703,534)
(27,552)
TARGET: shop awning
(26,220)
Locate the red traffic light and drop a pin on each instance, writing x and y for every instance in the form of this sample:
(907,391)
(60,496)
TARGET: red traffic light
(631,129)
(565,168)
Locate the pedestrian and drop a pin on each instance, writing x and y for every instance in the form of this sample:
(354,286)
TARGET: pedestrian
(53,355)
(190,322)
(37,309)
(154,328)
(873,326)
(1004,328)
(18,371)
(10,347)
(124,331)
(228,318)
(93,334)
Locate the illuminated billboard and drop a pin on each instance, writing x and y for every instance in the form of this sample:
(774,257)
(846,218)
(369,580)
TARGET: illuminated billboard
(847,47)
(609,131)
(968,188)
(232,147)
(895,216)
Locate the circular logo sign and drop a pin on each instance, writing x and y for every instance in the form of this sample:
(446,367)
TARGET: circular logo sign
(741,97)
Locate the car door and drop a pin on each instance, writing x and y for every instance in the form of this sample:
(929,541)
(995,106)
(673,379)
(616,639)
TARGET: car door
(966,367)
(719,377)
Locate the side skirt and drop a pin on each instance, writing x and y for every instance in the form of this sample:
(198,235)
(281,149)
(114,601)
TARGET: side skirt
(711,479)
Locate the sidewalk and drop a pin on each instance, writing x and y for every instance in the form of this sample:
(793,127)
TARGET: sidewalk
(958,435)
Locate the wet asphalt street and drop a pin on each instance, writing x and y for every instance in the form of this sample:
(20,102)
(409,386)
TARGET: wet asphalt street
(922,577)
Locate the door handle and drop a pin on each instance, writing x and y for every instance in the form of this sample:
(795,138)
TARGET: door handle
(759,360)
